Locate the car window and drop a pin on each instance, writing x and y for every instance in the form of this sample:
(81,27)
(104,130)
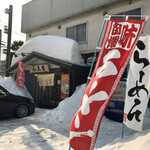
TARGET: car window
(3,93)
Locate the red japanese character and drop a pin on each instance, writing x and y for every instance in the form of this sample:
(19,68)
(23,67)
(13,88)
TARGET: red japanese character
(112,41)
(116,28)
(127,35)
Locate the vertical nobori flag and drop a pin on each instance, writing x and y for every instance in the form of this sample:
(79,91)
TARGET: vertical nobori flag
(21,75)
(118,43)
(138,85)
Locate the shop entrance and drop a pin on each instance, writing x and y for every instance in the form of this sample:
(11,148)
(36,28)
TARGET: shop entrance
(48,96)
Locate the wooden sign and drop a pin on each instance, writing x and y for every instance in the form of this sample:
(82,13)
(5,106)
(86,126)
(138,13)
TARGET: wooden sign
(39,68)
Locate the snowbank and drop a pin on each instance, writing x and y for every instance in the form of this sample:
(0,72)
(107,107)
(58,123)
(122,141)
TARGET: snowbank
(10,85)
(48,129)
(54,46)
(65,111)
(110,132)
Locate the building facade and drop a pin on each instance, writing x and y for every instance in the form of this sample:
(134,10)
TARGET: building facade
(80,20)
(51,72)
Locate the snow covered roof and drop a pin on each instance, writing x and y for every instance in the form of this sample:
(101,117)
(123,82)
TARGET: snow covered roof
(9,84)
(54,46)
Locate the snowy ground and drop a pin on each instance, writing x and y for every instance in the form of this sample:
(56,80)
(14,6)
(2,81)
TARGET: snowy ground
(49,130)
(24,134)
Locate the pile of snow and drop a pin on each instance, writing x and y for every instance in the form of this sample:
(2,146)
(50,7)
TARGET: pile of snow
(65,111)
(110,132)
(138,141)
(49,129)
(54,46)
(9,84)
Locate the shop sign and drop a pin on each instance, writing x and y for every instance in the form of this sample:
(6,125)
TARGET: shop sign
(46,80)
(39,68)
(65,79)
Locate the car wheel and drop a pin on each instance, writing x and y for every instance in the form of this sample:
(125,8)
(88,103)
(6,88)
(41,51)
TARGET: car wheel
(22,111)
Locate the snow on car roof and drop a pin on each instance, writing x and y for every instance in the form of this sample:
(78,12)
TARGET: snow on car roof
(10,85)
(54,46)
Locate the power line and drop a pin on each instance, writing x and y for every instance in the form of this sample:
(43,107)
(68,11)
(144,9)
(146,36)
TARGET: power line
(3,21)
(18,33)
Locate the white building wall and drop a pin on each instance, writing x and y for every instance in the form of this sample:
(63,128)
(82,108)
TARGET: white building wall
(43,12)
(94,20)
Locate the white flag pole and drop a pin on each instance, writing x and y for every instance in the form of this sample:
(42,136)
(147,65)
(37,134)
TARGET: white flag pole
(124,100)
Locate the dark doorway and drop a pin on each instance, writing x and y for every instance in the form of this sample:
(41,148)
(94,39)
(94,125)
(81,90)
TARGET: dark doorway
(30,82)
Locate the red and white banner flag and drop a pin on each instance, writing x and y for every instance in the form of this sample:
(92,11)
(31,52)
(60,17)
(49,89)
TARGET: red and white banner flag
(118,44)
(138,85)
(21,75)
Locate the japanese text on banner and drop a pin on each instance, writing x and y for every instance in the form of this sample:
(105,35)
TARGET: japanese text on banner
(118,44)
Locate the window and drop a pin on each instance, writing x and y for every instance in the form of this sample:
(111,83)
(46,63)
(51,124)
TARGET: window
(136,12)
(77,32)
(70,33)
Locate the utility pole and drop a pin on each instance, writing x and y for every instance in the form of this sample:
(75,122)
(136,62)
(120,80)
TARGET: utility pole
(9,12)
(0,46)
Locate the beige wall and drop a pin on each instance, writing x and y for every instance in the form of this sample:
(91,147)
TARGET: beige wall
(94,20)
